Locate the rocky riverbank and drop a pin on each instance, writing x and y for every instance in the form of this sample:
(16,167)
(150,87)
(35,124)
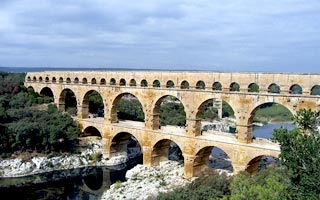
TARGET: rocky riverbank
(90,155)
(147,182)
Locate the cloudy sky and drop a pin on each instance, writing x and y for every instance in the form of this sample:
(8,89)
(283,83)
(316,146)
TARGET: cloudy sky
(219,35)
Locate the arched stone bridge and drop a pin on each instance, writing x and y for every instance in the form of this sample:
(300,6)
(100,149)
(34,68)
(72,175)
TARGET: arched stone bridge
(244,92)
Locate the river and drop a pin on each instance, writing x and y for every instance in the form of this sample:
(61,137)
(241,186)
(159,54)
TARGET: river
(74,184)
(266,130)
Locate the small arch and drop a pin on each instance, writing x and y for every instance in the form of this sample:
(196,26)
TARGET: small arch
(295,89)
(170,84)
(315,90)
(93,81)
(68,80)
(54,79)
(102,81)
(122,82)
(91,131)
(113,81)
(60,80)
(76,80)
(253,87)
(211,157)
(84,81)
(144,83)
(127,145)
(234,87)
(164,150)
(200,85)
(184,85)
(274,88)
(34,79)
(47,79)
(260,162)
(40,79)
(156,83)
(133,83)
(29,78)
(217,86)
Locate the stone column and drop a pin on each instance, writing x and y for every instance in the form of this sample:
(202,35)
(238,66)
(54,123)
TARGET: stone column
(106,143)
(188,166)
(152,121)
(147,155)
(238,167)
(193,126)
(83,109)
(244,133)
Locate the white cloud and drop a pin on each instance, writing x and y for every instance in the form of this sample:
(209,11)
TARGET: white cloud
(231,34)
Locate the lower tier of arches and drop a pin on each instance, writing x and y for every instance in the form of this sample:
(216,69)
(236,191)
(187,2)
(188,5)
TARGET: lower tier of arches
(196,154)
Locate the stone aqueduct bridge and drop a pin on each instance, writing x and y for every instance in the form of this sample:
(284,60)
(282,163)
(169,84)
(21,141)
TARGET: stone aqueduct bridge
(194,90)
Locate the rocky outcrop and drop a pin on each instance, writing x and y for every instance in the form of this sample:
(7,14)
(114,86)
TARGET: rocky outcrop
(19,167)
(147,182)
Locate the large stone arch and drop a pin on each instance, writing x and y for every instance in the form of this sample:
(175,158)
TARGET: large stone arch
(202,158)
(85,103)
(160,150)
(258,106)
(254,164)
(218,102)
(65,95)
(119,143)
(91,131)
(156,110)
(114,106)
(47,92)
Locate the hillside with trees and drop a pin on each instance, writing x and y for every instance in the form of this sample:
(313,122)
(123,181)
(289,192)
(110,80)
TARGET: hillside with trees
(25,126)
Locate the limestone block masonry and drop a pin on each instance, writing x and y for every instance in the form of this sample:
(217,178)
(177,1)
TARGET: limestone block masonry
(244,92)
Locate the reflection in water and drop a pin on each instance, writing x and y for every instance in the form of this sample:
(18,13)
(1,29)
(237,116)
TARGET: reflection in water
(266,131)
(73,184)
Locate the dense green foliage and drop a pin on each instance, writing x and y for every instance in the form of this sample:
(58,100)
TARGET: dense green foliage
(300,150)
(96,104)
(211,113)
(172,113)
(130,109)
(272,112)
(270,183)
(210,185)
(27,126)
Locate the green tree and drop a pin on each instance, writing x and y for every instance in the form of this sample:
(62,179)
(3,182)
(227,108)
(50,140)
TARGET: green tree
(300,154)
(210,185)
(270,183)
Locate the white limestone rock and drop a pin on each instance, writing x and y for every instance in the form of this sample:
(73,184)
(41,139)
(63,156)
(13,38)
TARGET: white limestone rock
(146,182)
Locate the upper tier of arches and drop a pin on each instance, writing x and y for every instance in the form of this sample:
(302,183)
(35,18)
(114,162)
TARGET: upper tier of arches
(199,84)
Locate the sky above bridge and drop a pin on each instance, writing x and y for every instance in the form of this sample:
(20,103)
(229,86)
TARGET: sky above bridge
(228,35)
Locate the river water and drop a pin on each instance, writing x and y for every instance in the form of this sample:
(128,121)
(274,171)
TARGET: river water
(266,130)
(87,183)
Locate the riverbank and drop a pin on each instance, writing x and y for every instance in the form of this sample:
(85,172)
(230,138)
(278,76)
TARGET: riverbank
(90,154)
(147,182)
